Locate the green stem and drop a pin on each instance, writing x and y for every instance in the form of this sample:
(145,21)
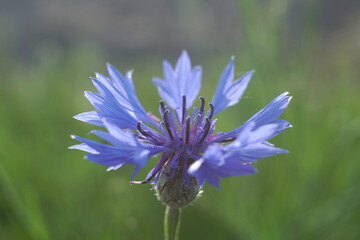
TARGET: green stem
(172,223)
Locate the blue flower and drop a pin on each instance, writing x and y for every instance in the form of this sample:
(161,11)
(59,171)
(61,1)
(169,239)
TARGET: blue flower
(191,152)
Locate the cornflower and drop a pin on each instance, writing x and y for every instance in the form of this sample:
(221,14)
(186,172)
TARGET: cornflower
(191,152)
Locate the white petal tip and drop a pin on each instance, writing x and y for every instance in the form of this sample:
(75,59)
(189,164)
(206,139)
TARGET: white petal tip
(195,166)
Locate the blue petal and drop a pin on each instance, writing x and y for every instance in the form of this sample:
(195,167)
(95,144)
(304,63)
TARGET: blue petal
(104,154)
(229,92)
(126,148)
(90,117)
(116,101)
(253,134)
(109,107)
(282,126)
(251,143)
(126,95)
(126,140)
(214,164)
(267,115)
(111,139)
(183,80)
(272,111)
(123,136)
(84,147)
(233,159)
(253,152)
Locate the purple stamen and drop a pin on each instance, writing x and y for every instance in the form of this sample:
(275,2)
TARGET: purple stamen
(206,129)
(183,109)
(187,135)
(142,131)
(211,110)
(154,171)
(145,133)
(201,112)
(202,105)
(162,106)
(226,140)
(166,121)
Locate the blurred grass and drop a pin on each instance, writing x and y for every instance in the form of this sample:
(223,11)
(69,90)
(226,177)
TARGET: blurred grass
(49,192)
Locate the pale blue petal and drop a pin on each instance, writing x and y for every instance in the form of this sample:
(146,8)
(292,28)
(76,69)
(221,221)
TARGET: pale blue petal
(183,80)
(253,152)
(125,150)
(116,101)
(267,115)
(124,136)
(233,159)
(124,86)
(109,108)
(252,134)
(90,117)
(272,111)
(165,91)
(111,139)
(215,164)
(94,147)
(104,154)
(282,126)
(229,92)
(84,147)
(251,143)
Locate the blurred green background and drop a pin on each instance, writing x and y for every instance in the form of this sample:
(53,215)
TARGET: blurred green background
(48,49)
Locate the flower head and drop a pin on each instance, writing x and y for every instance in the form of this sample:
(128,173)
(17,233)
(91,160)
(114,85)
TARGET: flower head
(192,153)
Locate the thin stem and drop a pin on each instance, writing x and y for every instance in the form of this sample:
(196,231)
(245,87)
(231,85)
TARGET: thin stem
(172,223)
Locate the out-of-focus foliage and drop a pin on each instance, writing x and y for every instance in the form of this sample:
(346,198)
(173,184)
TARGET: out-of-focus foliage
(49,192)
